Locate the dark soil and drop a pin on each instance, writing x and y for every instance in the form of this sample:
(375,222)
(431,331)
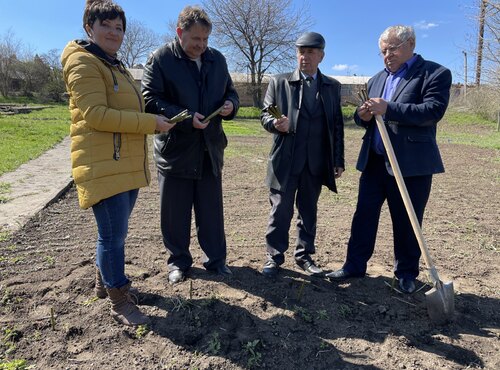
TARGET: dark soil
(50,318)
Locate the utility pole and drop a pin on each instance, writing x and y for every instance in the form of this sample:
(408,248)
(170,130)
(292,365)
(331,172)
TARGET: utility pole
(480,40)
(465,75)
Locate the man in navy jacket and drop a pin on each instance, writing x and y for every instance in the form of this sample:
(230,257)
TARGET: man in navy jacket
(412,95)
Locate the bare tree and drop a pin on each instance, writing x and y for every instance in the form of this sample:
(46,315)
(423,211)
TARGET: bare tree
(486,45)
(258,35)
(491,42)
(138,43)
(34,74)
(480,41)
(55,87)
(10,48)
(172,31)
(483,45)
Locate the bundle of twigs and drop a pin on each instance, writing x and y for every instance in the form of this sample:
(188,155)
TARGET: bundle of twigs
(213,114)
(180,117)
(362,96)
(274,111)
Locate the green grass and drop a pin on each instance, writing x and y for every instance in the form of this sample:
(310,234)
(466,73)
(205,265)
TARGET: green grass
(487,140)
(457,117)
(14,365)
(18,100)
(348,112)
(248,112)
(4,191)
(244,127)
(27,136)
(459,127)
(253,112)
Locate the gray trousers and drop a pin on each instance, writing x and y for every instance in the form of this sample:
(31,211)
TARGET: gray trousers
(304,190)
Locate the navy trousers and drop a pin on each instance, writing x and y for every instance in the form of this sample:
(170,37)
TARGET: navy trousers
(376,186)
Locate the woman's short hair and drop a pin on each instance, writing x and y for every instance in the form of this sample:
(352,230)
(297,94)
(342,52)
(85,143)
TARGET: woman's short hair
(102,10)
(191,15)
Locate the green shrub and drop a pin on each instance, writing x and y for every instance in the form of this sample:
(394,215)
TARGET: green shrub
(248,112)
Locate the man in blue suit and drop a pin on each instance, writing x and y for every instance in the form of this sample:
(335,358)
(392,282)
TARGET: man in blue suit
(412,95)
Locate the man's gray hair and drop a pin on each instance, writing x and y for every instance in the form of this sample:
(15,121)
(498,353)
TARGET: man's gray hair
(402,33)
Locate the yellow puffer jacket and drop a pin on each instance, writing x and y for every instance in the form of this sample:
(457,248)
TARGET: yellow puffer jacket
(109,151)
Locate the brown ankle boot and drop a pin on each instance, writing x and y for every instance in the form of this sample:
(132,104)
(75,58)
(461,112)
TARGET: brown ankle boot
(100,289)
(101,292)
(123,308)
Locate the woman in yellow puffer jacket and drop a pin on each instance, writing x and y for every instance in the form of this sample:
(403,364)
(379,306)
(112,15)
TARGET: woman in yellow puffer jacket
(109,152)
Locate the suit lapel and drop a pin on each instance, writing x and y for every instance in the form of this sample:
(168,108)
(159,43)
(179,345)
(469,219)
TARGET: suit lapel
(378,86)
(407,78)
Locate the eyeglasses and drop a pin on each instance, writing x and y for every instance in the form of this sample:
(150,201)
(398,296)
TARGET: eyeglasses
(391,49)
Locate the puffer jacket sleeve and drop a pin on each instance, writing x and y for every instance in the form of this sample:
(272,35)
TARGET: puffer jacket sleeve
(84,78)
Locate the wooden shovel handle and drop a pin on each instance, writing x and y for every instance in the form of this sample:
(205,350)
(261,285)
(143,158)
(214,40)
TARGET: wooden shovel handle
(406,199)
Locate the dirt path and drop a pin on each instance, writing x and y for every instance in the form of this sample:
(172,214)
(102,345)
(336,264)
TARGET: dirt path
(247,322)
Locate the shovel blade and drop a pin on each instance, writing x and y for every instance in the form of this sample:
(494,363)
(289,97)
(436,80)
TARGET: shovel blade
(440,302)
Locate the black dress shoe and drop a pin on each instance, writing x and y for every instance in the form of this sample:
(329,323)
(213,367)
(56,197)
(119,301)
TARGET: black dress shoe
(222,271)
(310,268)
(270,269)
(176,276)
(342,274)
(407,285)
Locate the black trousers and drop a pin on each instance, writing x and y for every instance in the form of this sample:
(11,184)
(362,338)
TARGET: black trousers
(178,196)
(303,189)
(376,186)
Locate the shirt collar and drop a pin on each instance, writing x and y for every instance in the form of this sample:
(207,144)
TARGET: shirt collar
(304,76)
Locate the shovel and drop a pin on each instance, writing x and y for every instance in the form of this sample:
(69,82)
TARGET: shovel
(440,299)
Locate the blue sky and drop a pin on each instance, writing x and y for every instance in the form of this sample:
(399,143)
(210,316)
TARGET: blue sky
(351,28)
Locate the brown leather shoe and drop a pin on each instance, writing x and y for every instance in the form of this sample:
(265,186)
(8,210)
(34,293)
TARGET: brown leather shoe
(101,292)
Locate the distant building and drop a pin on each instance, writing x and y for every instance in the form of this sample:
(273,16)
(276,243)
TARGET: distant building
(350,85)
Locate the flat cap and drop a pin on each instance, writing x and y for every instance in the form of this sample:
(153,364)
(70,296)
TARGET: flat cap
(311,40)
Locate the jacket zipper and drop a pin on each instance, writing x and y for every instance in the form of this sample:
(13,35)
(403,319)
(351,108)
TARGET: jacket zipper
(117,144)
(117,137)
(145,163)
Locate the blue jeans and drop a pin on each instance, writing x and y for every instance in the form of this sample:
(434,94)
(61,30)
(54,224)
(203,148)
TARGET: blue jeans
(112,215)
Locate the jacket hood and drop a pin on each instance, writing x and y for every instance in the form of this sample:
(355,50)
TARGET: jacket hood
(85,45)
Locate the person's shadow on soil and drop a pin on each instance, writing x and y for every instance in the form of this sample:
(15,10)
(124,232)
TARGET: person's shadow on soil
(213,327)
(366,308)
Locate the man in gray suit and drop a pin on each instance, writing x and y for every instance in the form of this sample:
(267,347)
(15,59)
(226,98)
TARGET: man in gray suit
(307,152)
(412,95)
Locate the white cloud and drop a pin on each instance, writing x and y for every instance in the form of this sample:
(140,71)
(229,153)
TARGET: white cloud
(424,25)
(345,67)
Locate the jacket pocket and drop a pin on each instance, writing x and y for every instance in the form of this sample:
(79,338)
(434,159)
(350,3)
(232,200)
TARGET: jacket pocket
(168,143)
